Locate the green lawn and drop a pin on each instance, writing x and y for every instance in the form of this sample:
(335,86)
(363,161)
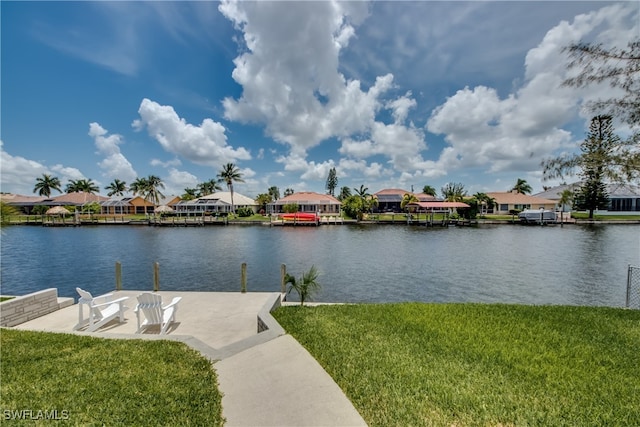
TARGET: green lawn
(474,365)
(107,382)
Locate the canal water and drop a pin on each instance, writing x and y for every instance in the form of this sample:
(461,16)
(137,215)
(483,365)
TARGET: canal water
(574,265)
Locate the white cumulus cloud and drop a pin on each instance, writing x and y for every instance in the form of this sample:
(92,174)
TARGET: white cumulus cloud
(114,165)
(204,144)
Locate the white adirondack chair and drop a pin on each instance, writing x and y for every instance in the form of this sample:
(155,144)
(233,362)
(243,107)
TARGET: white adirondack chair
(150,306)
(102,310)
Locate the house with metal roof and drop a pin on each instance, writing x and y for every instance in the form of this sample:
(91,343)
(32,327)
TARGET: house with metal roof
(307,201)
(76,200)
(622,197)
(216,203)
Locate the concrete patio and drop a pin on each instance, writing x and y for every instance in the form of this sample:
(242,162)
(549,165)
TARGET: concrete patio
(261,374)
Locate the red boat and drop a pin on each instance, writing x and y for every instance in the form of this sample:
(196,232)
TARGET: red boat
(300,217)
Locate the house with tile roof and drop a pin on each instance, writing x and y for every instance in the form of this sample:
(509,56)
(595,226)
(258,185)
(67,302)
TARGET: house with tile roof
(307,201)
(510,200)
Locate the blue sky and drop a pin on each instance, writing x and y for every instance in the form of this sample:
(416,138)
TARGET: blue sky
(391,94)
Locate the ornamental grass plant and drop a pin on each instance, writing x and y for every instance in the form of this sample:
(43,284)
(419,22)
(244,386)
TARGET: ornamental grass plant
(416,364)
(85,380)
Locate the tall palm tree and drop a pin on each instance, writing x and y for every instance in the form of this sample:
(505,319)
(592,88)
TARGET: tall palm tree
(148,189)
(82,185)
(45,184)
(522,187)
(154,183)
(274,192)
(228,175)
(288,192)
(116,188)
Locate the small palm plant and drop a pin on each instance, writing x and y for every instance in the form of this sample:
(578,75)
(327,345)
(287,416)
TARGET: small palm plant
(306,286)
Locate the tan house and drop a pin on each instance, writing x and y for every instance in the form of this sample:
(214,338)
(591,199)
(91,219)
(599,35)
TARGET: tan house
(307,201)
(508,201)
(130,205)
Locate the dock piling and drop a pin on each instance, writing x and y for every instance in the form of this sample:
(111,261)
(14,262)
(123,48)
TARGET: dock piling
(118,276)
(156,276)
(243,278)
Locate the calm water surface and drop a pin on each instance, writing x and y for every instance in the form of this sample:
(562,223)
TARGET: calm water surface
(575,265)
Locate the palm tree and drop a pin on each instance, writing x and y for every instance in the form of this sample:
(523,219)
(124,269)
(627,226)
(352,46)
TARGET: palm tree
(208,187)
(484,199)
(408,198)
(288,192)
(45,184)
(189,194)
(82,186)
(566,197)
(116,188)
(228,175)
(522,187)
(345,192)
(274,192)
(263,200)
(148,189)
(427,189)
(306,286)
(453,192)
(154,183)
(367,201)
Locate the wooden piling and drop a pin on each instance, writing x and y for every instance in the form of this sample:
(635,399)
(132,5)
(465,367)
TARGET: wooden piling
(243,278)
(156,276)
(118,276)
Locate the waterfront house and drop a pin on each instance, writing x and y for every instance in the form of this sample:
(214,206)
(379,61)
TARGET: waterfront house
(510,200)
(623,198)
(307,201)
(389,200)
(76,201)
(216,203)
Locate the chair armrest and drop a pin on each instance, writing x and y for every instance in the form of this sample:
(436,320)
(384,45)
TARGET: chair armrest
(175,301)
(103,296)
(119,301)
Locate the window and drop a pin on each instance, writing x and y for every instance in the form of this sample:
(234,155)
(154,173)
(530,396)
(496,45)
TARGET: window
(504,207)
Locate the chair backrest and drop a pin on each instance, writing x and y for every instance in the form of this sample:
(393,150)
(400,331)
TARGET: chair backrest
(84,296)
(151,306)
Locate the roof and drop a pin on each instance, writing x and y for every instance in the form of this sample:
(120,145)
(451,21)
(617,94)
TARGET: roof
(423,197)
(225,197)
(439,205)
(20,199)
(394,191)
(78,198)
(614,190)
(308,198)
(513,198)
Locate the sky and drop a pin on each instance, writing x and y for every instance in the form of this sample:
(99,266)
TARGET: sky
(392,94)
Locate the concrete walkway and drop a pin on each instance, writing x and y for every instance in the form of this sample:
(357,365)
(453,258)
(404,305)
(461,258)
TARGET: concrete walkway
(267,378)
